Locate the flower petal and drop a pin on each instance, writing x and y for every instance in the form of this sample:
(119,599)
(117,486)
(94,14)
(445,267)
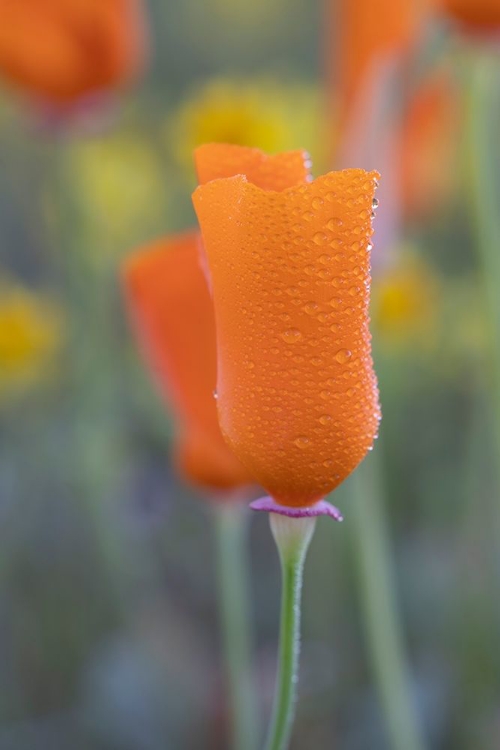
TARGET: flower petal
(173,316)
(216,160)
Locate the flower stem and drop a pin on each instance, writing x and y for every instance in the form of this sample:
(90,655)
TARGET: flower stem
(292,536)
(481,125)
(231,527)
(381,617)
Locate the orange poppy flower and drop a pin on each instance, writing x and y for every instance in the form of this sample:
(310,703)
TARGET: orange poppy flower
(173,315)
(478,15)
(427,145)
(61,50)
(363,36)
(297,394)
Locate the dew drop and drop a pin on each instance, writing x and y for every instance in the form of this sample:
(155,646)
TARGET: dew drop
(291,335)
(215,395)
(320,238)
(325,419)
(375,203)
(334,223)
(310,308)
(302,441)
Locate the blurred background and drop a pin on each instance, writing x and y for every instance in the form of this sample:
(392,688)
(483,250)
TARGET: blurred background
(109,633)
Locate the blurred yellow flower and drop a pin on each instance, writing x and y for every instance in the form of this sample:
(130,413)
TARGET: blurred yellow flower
(31,331)
(406,303)
(264,113)
(119,188)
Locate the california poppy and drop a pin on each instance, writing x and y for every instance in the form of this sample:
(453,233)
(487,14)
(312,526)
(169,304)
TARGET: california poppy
(363,38)
(173,314)
(173,317)
(61,50)
(427,144)
(297,394)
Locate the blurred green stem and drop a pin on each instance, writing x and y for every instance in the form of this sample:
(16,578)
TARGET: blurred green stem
(231,527)
(292,536)
(481,134)
(380,612)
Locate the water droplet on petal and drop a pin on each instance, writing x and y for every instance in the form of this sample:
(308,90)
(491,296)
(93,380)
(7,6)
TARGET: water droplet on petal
(320,238)
(310,308)
(302,441)
(291,335)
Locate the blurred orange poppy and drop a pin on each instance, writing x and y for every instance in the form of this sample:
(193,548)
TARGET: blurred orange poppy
(173,318)
(479,15)
(61,50)
(363,37)
(428,142)
(297,394)
(171,308)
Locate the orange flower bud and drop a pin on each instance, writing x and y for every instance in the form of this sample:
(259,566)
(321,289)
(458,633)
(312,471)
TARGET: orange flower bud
(297,394)
(173,317)
(173,314)
(61,50)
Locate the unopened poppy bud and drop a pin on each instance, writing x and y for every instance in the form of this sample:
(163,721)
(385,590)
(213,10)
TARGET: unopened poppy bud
(297,394)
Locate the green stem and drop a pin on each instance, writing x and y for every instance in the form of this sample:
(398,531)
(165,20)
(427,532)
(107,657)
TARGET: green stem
(231,527)
(381,616)
(481,126)
(292,536)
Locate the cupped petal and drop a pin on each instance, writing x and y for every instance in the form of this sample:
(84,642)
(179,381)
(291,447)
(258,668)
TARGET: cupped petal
(173,317)
(275,172)
(297,394)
